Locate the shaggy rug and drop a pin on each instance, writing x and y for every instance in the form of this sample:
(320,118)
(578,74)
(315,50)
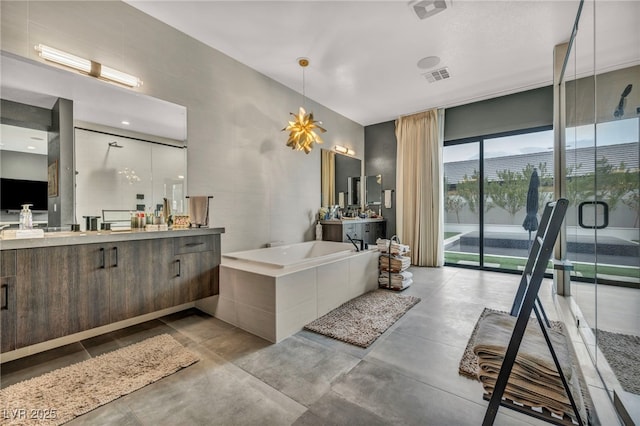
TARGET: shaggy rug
(59,396)
(362,320)
(622,352)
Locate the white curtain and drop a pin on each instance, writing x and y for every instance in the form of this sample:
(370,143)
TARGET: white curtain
(420,186)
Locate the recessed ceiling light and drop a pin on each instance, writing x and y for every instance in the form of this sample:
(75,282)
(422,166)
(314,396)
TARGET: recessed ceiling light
(180,177)
(125,122)
(31,147)
(428,62)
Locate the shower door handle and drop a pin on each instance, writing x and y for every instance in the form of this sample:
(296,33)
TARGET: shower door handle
(594,225)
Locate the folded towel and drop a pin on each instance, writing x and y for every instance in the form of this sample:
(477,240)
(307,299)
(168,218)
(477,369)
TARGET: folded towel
(199,210)
(394,263)
(534,380)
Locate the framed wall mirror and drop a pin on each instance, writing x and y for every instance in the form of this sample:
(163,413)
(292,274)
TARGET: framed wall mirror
(340,179)
(373,190)
(55,101)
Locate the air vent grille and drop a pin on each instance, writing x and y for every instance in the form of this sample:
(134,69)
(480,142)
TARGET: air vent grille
(437,75)
(426,8)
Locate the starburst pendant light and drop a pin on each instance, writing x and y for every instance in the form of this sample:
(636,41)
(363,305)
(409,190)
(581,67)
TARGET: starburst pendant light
(303,130)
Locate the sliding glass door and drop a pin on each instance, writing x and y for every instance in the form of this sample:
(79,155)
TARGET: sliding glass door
(488,181)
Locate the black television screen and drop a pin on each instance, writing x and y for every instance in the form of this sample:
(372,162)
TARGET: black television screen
(15,192)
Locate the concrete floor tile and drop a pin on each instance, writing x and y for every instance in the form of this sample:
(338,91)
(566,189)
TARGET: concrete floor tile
(235,344)
(197,326)
(427,361)
(212,392)
(113,413)
(399,399)
(298,367)
(447,329)
(332,409)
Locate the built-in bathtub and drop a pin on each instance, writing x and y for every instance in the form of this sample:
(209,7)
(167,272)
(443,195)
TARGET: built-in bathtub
(274,292)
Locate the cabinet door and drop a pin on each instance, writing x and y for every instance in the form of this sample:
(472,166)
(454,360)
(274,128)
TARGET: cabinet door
(332,232)
(91,288)
(139,278)
(45,281)
(195,271)
(7,313)
(354,230)
(7,300)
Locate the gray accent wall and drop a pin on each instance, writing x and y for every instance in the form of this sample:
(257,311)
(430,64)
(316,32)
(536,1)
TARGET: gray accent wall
(380,159)
(528,109)
(523,110)
(263,191)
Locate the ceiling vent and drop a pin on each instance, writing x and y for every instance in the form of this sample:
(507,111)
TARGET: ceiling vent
(426,8)
(437,75)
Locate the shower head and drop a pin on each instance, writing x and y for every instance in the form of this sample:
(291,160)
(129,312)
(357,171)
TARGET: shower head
(115,144)
(619,112)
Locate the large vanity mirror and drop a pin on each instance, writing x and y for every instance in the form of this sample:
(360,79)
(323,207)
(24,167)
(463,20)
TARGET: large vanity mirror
(85,146)
(340,179)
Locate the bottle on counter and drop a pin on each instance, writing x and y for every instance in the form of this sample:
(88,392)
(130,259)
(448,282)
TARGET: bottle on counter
(26,217)
(318,231)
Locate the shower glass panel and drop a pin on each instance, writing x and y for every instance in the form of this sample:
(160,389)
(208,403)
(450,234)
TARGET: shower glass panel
(127,175)
(462,203)
(601,137)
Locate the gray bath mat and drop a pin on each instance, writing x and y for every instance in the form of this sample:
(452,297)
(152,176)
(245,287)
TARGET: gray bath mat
(622,352)
(362,320)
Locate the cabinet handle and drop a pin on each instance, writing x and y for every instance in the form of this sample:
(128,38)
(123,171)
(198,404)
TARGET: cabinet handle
(5,305)
(115,252)
(102,264)
(194,244)
(179,267)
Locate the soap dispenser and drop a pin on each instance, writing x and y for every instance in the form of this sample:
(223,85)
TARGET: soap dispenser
(26,217)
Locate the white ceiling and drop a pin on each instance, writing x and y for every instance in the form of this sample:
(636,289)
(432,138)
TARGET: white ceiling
(364,54)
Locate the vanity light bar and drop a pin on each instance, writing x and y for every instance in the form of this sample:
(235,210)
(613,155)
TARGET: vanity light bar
(344,150)
(64,58)
(86,66)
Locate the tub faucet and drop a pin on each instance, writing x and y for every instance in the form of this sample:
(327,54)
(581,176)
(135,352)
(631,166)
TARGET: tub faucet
(353,241)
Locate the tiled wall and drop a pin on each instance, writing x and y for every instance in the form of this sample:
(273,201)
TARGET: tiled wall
(262,190)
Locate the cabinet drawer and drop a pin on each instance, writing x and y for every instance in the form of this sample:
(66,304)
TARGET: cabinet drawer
(7,263)
(193,244)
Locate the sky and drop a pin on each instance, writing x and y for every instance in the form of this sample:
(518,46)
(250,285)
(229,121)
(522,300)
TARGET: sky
(610,133)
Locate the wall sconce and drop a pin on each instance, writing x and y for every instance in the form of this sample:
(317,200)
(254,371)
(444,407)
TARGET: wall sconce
(344,150)
(85,66)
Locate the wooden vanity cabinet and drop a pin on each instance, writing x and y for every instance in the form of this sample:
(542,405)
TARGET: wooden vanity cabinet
(51,292)
(8,308)
(369,232)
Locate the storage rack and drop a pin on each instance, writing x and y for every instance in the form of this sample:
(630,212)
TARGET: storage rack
(388,272)
(526,302)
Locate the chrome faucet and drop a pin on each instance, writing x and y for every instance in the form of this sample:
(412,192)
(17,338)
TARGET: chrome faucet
(353,241)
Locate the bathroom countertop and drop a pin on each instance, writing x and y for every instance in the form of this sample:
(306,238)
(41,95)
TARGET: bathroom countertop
(354,220)
(53,239)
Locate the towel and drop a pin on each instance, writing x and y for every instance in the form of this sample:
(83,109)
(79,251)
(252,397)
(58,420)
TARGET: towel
(199,210)
(387,198)
(395,264)
(534,380)
(341,199)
